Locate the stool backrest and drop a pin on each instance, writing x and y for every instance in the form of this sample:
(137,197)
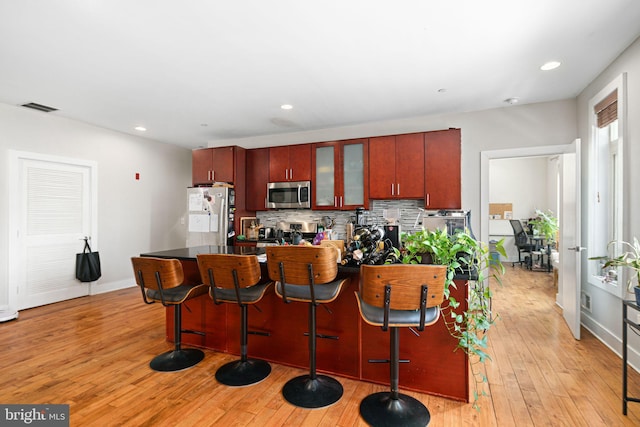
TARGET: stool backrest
(216,270)
(406,281)
(157,273)
(295,262)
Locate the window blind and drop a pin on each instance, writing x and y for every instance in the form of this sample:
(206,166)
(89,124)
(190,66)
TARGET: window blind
(607,109)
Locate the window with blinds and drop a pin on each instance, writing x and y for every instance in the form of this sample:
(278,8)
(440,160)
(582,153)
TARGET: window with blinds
(607,110)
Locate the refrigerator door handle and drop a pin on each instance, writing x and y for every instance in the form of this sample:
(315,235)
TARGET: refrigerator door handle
(221,219)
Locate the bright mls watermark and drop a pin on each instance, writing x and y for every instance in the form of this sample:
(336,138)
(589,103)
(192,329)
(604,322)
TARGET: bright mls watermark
(34,415)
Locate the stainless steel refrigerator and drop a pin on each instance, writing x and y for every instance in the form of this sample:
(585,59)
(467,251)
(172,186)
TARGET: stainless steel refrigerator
(210,212)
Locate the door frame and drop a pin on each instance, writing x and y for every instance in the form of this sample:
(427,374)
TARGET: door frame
(13,171)
(487,156)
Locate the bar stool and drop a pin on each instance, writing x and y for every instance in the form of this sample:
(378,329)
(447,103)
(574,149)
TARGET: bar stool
(398,296)
(307,274)
(236,279)
(161,280)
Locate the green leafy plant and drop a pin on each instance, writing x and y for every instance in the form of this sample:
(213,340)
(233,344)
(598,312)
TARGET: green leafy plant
(462,254)
(629,257)
(545,224)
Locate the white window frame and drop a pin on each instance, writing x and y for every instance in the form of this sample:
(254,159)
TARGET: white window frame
(616,151)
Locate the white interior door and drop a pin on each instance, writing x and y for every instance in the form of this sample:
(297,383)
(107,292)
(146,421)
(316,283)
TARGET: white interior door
(53,202)
(569,247)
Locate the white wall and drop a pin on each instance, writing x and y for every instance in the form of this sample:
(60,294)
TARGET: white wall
(526,183)
(543,124)
(605,317)
(133,216)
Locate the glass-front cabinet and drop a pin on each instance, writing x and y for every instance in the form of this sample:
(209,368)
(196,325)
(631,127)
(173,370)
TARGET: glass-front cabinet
(340,174)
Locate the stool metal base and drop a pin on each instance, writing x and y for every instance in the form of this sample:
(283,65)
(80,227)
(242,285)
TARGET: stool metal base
(304,392)
(176,360)
(241,373)
(380,410)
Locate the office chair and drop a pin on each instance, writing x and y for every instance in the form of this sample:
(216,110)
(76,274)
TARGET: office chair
(523,243)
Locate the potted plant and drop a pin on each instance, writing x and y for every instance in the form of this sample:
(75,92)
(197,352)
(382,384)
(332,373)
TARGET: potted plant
(545,224)
(462,254)
(629,258)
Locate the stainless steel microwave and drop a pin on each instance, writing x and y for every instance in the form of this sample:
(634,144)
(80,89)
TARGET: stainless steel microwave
(289,195)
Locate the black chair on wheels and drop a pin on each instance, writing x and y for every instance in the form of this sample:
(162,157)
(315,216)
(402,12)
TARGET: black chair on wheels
(523,243)
(309,275)
(393,297)
(236,279)
(161,280)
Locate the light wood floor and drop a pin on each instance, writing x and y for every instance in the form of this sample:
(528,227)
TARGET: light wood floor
(93,354)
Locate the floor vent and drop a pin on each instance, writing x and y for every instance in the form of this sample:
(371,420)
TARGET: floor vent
(39,107)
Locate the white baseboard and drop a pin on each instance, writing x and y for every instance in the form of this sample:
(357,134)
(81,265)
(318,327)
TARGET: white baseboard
(609,339)
(101,288)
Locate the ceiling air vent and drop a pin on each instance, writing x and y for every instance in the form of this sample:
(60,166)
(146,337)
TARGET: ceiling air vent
(39,107)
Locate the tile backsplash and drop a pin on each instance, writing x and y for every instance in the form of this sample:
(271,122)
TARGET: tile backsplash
(409,211)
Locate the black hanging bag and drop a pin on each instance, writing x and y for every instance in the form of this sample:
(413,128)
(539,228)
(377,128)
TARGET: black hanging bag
(88,264)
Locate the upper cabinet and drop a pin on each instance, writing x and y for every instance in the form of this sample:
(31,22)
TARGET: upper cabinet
(290,163)
(257,178)
(397,166)
(443,169)
(211,165)
(340,175)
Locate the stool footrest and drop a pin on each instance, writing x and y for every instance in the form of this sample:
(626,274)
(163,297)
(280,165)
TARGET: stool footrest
(189,331)
(387,361)
(330,337)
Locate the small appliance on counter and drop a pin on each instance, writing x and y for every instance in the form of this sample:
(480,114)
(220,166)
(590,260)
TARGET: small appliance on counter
(291,233)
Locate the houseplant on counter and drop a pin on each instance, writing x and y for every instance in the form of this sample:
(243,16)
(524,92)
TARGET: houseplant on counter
(462,254)
(629,258)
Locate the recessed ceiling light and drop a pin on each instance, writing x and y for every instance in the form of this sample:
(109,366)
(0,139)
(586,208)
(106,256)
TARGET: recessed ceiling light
(140,128)
(286,106)
(512,100)
(551,65)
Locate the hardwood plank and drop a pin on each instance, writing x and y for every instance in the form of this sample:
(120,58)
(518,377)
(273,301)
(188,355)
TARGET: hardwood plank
(93,353)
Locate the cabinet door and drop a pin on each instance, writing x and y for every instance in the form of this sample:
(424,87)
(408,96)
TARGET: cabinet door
(354,179)
(278,164)
(442,169)
(300,162)
(222,164)
(382,169)
(201,161)
(410,166)
(257,179)
(325,157)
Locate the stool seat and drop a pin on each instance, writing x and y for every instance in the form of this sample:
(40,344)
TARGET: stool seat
(400,318)
(391,297)
(308,275)
(161,280)
(236,279)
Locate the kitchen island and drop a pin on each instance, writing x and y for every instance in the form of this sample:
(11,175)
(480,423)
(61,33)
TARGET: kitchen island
(434,367)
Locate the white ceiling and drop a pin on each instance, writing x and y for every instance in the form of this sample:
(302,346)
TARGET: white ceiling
(199,71)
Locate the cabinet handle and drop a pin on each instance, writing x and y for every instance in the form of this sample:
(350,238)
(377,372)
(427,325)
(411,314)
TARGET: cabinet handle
(291,174)
(392,190)
(427,199)
(213,175)
(340,201)
(335,201)
(398,189)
